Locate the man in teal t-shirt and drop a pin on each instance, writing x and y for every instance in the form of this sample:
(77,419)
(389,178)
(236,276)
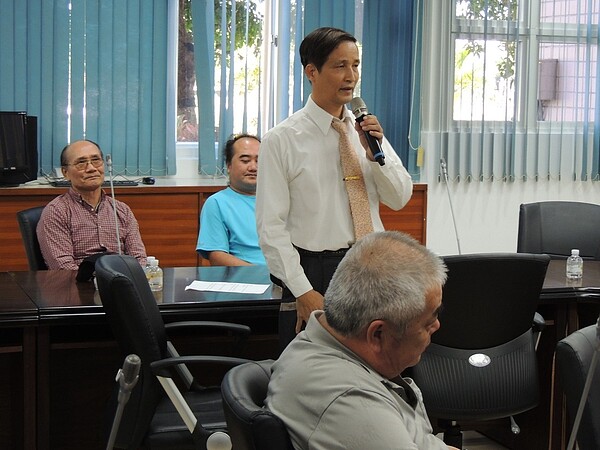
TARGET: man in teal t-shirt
(228,235)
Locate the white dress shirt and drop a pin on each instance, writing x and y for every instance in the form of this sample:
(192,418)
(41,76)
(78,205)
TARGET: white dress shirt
(301,199)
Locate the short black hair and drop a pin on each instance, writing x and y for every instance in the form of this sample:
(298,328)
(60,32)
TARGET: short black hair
(228,150)
(63,158)
(318,45)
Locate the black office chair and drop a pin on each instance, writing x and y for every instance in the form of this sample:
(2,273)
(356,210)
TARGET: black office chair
(573,360)
(251,427)
(149,419)
(556,227)
(481,363)
(28,220)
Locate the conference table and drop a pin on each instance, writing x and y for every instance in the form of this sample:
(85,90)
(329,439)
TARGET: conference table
(18,322)
(68,361)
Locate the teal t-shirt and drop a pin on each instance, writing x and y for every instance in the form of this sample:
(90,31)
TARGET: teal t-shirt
(228,224)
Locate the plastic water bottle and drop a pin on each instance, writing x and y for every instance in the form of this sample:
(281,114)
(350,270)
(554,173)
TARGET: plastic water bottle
(155,276)
(147,267)
(574,265)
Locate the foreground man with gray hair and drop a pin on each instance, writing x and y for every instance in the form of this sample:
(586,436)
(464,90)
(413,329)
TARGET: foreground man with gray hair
(338,384)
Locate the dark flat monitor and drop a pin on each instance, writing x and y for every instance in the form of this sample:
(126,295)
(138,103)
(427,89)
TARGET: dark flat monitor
(18,148)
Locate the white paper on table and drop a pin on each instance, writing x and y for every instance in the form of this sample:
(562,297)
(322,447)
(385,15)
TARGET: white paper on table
(221,286)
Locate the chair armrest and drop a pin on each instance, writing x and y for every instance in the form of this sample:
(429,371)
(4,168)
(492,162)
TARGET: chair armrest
(162,368)
(538,323)
(235,328)
(240,335)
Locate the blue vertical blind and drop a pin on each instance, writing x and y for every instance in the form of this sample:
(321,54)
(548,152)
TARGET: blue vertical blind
(327,13)
(91,69)
(216,124)
(281,77)
(204,59)
(386,69)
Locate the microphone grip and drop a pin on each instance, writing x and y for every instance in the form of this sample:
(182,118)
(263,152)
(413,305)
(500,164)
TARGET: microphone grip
(444,168)
(131,368)
(108,159)
(112,192)
(128,376)
(374,144)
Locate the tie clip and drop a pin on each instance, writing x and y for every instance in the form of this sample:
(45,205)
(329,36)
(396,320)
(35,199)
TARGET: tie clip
(351,178)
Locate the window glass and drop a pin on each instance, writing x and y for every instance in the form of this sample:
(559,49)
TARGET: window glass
(484,82)
(526,58)
(244,34)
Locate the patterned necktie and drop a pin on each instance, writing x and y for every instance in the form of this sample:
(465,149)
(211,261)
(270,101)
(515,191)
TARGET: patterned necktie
(354,183)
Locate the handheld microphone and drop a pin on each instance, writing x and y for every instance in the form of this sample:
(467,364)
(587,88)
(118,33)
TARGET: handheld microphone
(112,193)
(359,109)
(127,378)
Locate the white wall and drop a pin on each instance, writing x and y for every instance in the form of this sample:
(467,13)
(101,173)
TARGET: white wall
(487,213)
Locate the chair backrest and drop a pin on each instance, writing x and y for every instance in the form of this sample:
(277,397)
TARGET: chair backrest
(489,298)
(137,325)
(481,363)
(28,220)
(556,227)
(573,361)
(250,425)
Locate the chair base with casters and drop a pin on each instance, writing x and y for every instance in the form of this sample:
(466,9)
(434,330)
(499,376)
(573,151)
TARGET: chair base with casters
(250,425)
(161,413)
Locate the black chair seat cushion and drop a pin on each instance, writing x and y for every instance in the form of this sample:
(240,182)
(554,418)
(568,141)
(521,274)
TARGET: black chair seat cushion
(167,429)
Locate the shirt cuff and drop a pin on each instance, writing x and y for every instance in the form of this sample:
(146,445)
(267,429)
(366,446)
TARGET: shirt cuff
(299,285)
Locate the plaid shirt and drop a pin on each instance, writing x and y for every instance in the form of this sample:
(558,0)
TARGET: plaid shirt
(70,229)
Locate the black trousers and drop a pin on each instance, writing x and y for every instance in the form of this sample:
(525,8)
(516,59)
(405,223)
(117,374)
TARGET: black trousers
(318,268)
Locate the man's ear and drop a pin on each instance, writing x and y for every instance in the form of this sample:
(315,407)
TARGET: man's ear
(310,71)
(64,171)
(374,337)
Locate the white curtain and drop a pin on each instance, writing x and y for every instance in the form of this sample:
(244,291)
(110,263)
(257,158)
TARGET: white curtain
(508,89)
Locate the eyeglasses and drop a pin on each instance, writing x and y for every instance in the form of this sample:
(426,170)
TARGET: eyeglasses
(81,165)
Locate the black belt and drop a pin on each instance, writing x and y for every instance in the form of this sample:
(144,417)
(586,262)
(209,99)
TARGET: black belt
(325,253)
(338,254)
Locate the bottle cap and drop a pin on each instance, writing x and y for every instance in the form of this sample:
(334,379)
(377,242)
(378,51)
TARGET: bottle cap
(154,262)
(575,252)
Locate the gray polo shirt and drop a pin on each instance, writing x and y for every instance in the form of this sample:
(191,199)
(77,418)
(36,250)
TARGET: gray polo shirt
(330,399)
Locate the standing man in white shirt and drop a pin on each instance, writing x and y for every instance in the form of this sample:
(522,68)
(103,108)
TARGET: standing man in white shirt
(303,214)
